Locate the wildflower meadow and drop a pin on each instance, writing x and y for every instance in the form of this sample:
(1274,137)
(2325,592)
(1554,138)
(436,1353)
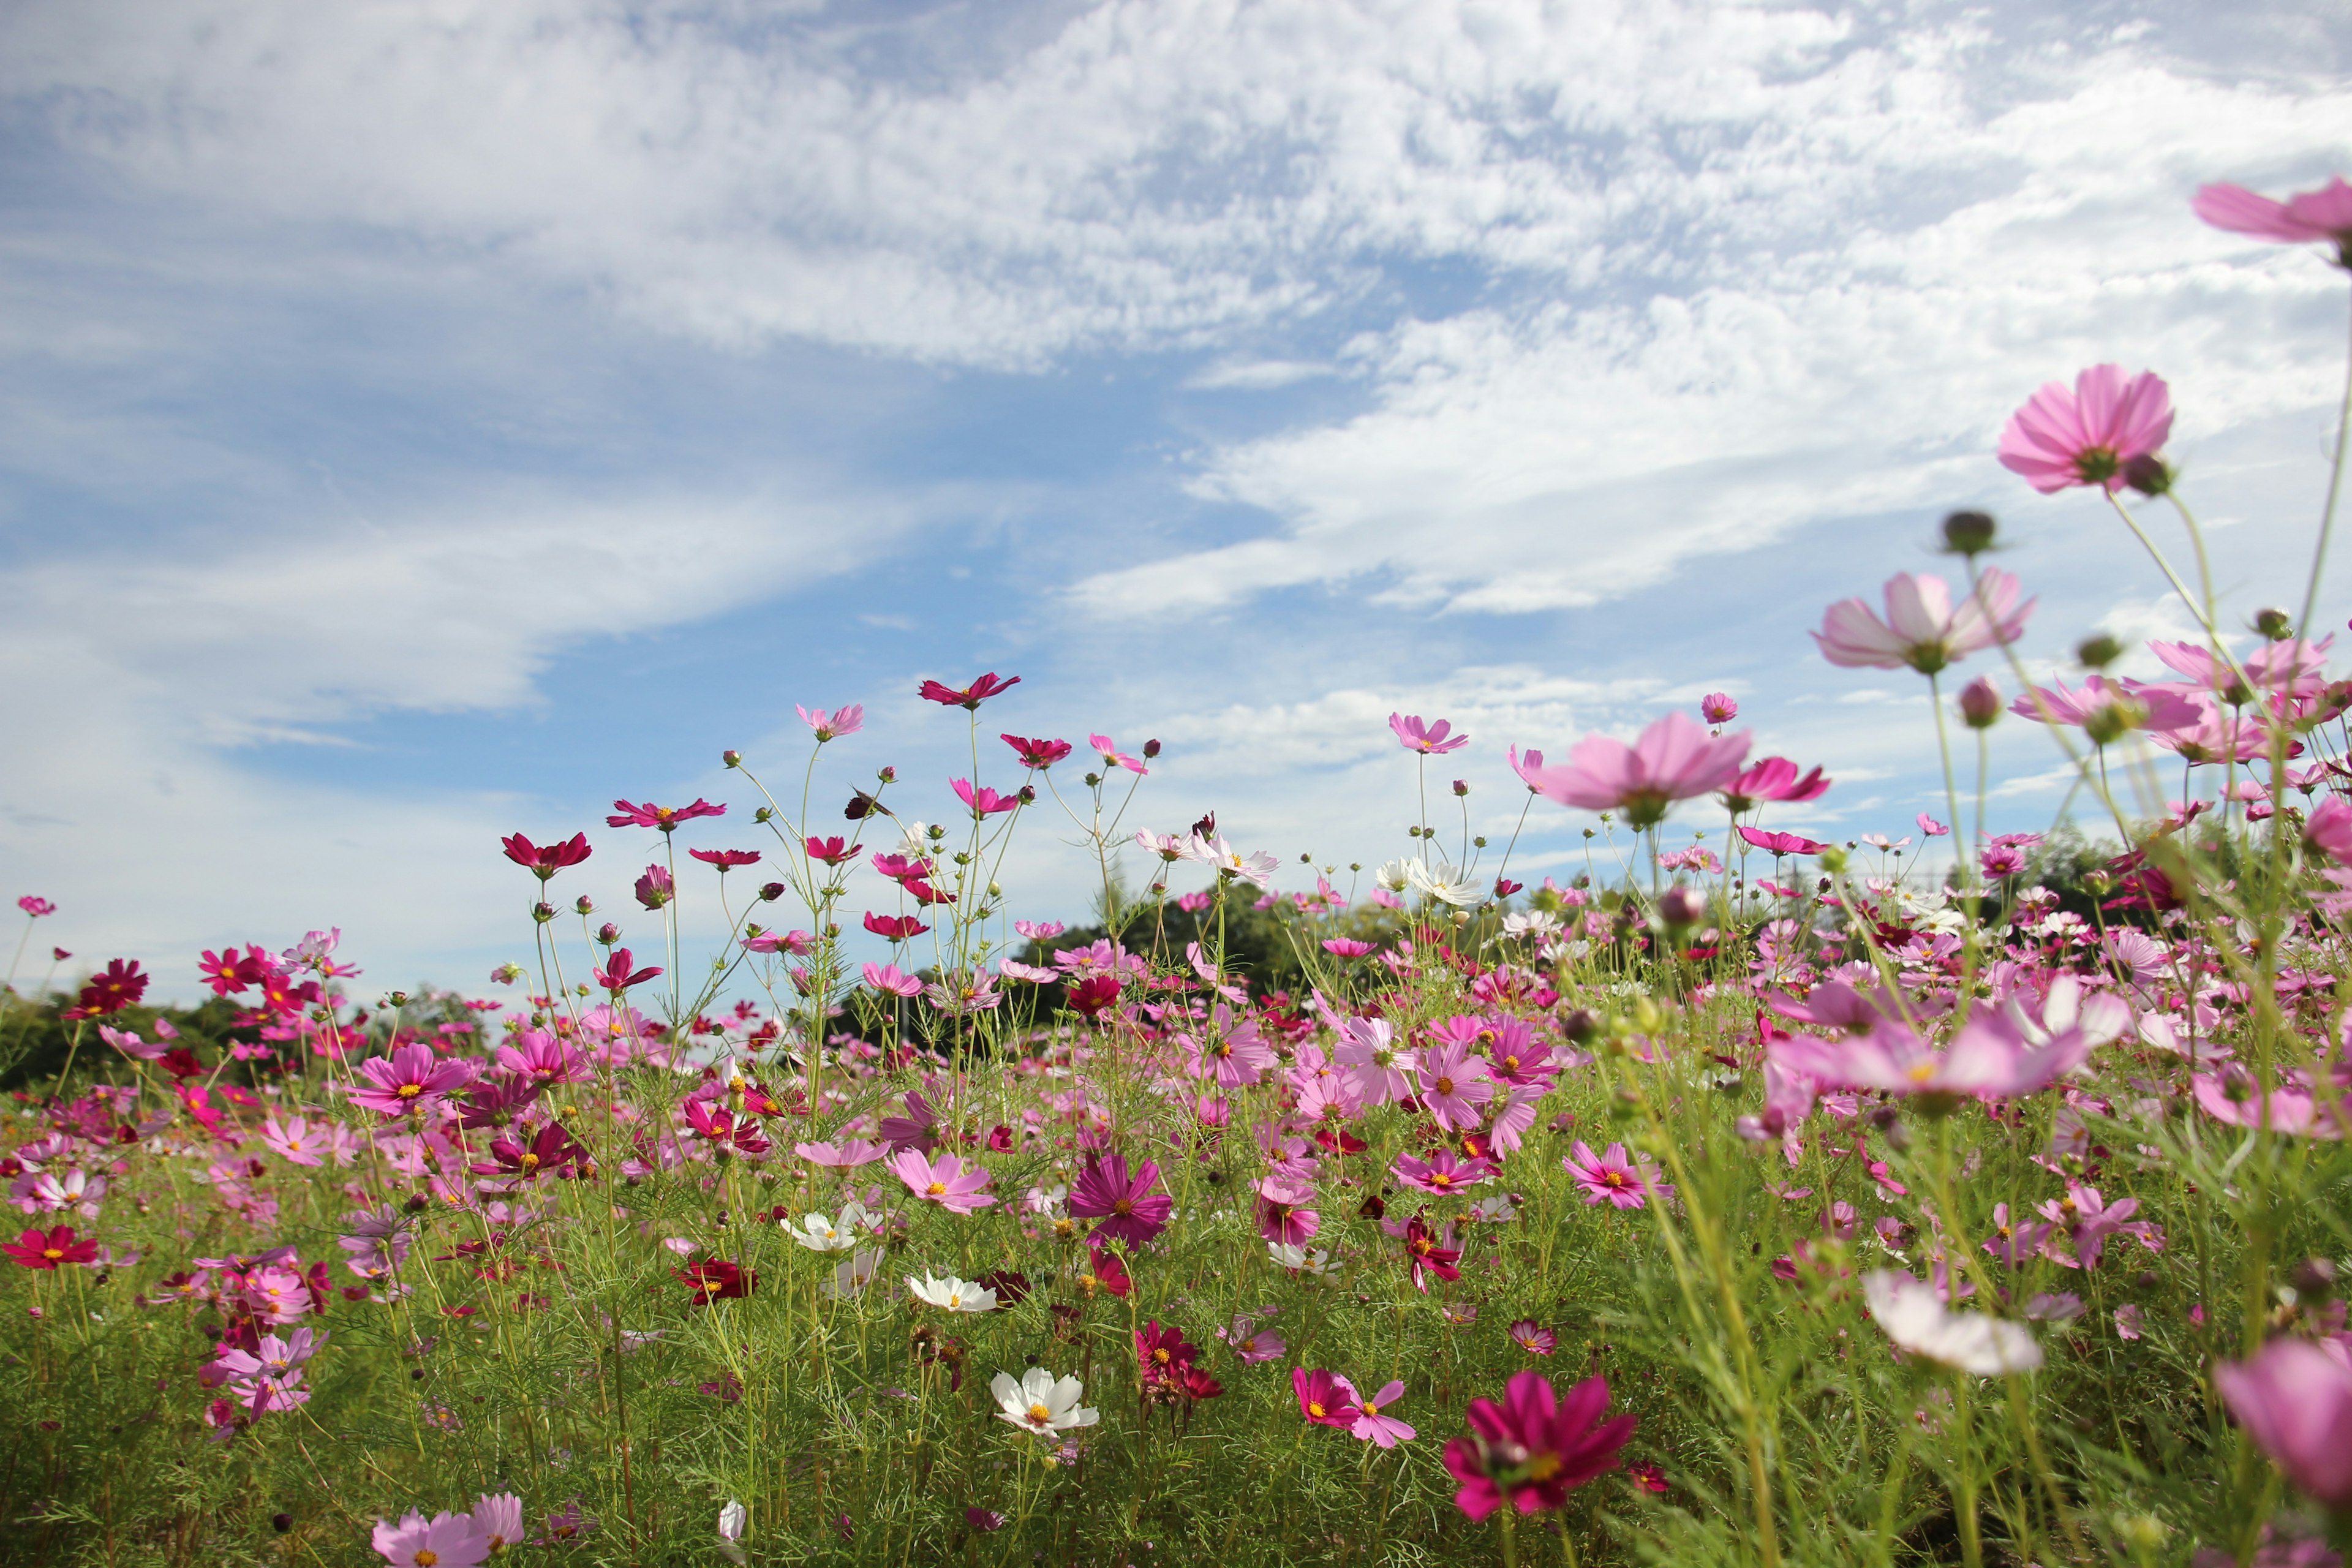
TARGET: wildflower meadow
(1939,1196)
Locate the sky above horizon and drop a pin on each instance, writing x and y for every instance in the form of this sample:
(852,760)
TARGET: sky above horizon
(422,422)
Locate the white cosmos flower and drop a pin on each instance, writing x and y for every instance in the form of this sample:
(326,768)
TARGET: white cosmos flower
(1259,868)
(2101,1015)
(854,1275)
(731,1520)
(1537,923)
(1039,1403)
(916,844)
(1446,884)
(819,1234)
(952,1294)
(1913,1316)
(1306,1259)
(1396,876)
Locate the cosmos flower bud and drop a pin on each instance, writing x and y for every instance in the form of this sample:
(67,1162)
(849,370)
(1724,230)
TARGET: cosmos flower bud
(2099,652)
(1981,703)
(889,775)
(608,933)
(1968,533)
(1579,1027)
(2273,624)
(732,759)
(400,998)
(1151,750)
(583,905)
(542,914)
(1460,786)
(1681,905)
(2314,1279)
(2147,475)
(771,891)
(762,814)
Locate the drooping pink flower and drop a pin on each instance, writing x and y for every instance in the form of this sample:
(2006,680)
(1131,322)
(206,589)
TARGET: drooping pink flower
(1612,1176)
(2294,1399)
(1923,628)
(948,1182)
(655,888)
(410,1080)
(726,859)
(1455,1085)
(1674,760)
(983,801)
(2090,435)
(2328,830)
(1930,826)
(617,976)
(967,698)
(1430,740)
(1113,757)
(887,977)
(1774,778)
(36,905)
(1535,1447)
(1126,1203)
(444,1540)
(894,928)
(2324,215)
(1038,755)
(833,726)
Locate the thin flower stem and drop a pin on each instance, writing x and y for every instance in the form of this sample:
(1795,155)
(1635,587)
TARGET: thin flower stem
(1951,793)
(2328,512)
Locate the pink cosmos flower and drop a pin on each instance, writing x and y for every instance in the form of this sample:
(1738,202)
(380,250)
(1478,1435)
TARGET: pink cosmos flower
(1347,947)
(1988,1058)
(1922,628)
(410,1080)
(617,975)
(1371,1426)
(2324,215)
(1612,1176)
(967,698)
(1282,1217)
(1533,1338)
(541,1059)
(665,817)
(1674,760)
(1036,754)
(846,1155)
(833,725)
(984,802)
(1126,1202)
(1372,1066)
(1535,1447)
(948,1181)
(498,1516)
(2090,435)
(1323,1397)
(655,889)
(1718,708)
(1236,1057)
(1113,757)
(2328,830)
(1441,1172)
(1455,1085)
(1774,778)
(292,1140)
(2293,1110)
(445,1541)
(887,977)
(1782,842)
(1431,740)
(1930,826)
(36,905)
(2294,1399)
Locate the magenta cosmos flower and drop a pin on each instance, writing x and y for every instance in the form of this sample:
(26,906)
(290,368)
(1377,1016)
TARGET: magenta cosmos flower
(1455,1086)
(1130,1210)
(1774,778)
(444,1540)
(2295,1400)
(665,817)
(1324,1398)
(948,1181)
(1987,1058)
(409,1080)
(1535,1447)
(1674,760)
(968,698)
(1613,1177)
(1922,628)
(1431,740)
(2324,215)
(2091,435)
(833,725)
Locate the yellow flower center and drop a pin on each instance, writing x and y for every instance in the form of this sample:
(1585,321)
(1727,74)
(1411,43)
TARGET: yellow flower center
(1315,1408)
(1922,1073)
(54,1253)
(409,1091)
(935,1189)
(1446,1086)
(1040,1414)
(425,1557)
(1543,1467)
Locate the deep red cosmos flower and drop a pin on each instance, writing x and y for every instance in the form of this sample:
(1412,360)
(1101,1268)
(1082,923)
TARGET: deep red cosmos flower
(1535,1447)
(716,1279)
(1426,1254)
(616,976)
(896,928)
(544,861)
(549,1154)
(47,1249)
(229,971)
(1093,993)
(830,851)
(1038,754)
(970,697)
(666,817)
(119,985)
(726,859)
(1164,1353)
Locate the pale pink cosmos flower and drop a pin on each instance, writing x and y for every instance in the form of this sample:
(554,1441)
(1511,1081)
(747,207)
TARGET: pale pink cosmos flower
(1923,628)
(948,1182)
(498,1516)
(887,977)
(1930,826)
(846,1154)
(1441,1172)
(444,1540)
(1370,1425)
(1528,767)
(293,1141)
(1674,760)
(410,1080)
(1283,1218)
(1235,1057)
(2324,215)
(2091,435)
(833,725)
(1988,1058)
(1455,1086)
(1718,708)
(1113,757)
(1372,1065)
(1430,740)
(2294,1399)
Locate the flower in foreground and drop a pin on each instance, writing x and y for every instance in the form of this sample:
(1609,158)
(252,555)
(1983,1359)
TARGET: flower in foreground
(818,1234)
(2324,215)
(1923,628)
(47,1249)
(2294,1399)
(498,1516)
(410,1079)
(1042,1403)
(1989,1059)
(947,1182)
(1431,740)
(1674,760)
(544,861)
(445,1541)
(951,1294)
(1124,1201)
(1535,1447)
(1913,1314)
(2090,435)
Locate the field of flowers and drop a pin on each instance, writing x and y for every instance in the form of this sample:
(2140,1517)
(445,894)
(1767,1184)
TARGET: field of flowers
(1746,1199)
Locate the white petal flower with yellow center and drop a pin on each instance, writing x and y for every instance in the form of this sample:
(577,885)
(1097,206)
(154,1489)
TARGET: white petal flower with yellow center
(1039,1403)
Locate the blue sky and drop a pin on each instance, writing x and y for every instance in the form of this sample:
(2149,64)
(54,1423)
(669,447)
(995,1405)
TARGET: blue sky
(422,422)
